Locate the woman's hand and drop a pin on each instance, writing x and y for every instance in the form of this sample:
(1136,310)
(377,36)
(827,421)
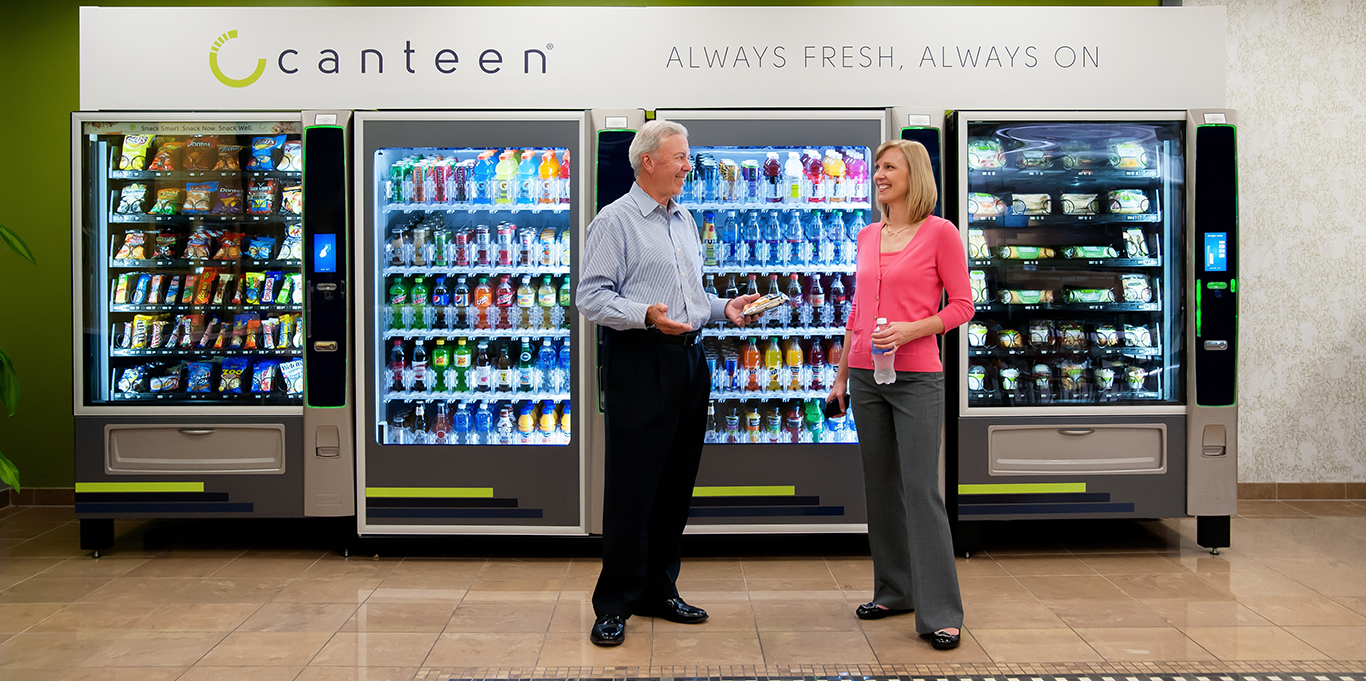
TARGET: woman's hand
(898,334)
(838,392)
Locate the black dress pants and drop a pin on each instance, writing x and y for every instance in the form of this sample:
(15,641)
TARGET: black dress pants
(656,416)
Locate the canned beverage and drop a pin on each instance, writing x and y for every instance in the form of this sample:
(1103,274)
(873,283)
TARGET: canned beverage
(752,188)
(396,182)
(441,237)
(459,176)
(441,179)
(483,249)
(733,371)
(526,246)
(406,180)
(419,182)
(506,233)
(462,244)
(730,181)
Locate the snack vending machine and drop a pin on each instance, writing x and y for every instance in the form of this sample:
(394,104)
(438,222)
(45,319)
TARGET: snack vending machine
(1096,379)
(469,350)
(189,315)
(778,198)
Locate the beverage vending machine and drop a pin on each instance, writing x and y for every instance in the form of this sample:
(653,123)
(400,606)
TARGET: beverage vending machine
(190,349)
(469,369)
(1097,378)
(778,198)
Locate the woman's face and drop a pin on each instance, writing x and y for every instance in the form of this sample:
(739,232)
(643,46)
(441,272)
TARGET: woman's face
(891,176)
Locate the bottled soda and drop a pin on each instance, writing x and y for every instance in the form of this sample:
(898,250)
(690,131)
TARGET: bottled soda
(441,296)
(483,369)
(441,427)
(526,378)
(773,366)
(503,299)
(483,425)
(750,361)
(884,361)
(564,192)
(794,291)
(793,378)
(815,421)
(441,363)
(709,285)
(731,290)
(817,295)
(420,378)
(398,298)
(461,296)
(773,178)
(837,295)
(549,172)
(713,428)
(398,363)
(483,300)
(792,423)
(505,377)
(710,242)
(815,360)
(461,363)
(421,428)
(418,298)
(813,171)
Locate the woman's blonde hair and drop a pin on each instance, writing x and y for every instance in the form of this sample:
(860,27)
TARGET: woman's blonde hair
(921,192)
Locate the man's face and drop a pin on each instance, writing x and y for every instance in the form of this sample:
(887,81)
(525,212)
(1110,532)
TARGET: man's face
(668,165)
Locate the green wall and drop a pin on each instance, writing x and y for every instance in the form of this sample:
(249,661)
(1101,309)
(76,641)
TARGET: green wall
(40,88)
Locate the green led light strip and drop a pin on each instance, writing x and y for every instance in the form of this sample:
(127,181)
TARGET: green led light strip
(429,492)
(742,491)
(82,487)
(1024,488)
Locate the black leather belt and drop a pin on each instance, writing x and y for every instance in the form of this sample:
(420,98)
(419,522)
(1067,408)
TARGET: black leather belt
(687,339)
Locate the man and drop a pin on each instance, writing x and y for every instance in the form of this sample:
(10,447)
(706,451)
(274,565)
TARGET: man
(642,279)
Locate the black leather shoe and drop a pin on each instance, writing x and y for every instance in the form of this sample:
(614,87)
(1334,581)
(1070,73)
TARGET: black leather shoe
(675,610)
(870,611)
(941,640)
(608,630)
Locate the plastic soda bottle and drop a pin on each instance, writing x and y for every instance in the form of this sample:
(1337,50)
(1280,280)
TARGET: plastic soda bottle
(441,363)
(749,361)
(711,435)
(505,174)
(773,178)
(526,300)
(483,299)
(815,421)
(833,166)
(709,241)
(483,369)
(398,363)
(483,425)
(794,291)
(773,365)
(815,360)
(793,378)
(564,191)
(503,299)
(398,297)
(505,378)
(792,423)
(461,364)
(528,178)
(793,176)
(884,361)
(526,379)
(549,172)
(421,381)
(418,296)
(441,428)
(813,169)
(816,297)
(460,297)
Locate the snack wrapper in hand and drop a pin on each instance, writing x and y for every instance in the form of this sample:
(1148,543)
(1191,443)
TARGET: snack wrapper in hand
(168,202)
(263,376)
(165,249)
(199,198)
(168,156)
(132,248)
(293,371)
(131,199)
(200,378)
(134,154)
(234,368)
(200,152)
(767,302)
(261,196)
(229,201)
(292,158)
(229,157)
(292,200)
(263,152)
(229,246)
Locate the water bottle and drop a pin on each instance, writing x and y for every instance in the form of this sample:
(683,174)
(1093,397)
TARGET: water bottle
(483,425)
(464,421)
(545,363)
(564,367)
(772,250)
(884,361)
(796,241)
(752,237)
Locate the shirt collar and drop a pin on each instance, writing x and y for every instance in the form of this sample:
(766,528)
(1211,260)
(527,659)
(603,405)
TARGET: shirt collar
(646,204)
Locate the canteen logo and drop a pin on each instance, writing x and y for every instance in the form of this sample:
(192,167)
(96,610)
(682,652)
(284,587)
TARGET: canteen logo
(223,78)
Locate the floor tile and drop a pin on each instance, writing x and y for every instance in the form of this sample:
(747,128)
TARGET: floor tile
(517,585)
(993,588)
(16,617)
(706,648)
(575,650)
(1044,565)
(88,617)
(107,567)
(907,648)
(348,649)
(241,590)
(1257,582)
(125,674)
(574,616)
(1011,614)
(57,651)
(799,614)
(826,583)
(202,673)
(1148,644)
(141,591)
(490,650)
(815,647)
(1131,564)
(1329,508)
(52,589)
(299,617)
(1340,643)
(387,594)
(256,567)
(198,617)
(156,649)
(438,570)
(345,590)
(979,566)
(265,649)
(1168,585)
(711,568)
(1301,611)
(784,568)
(1034,645)
(400,617)
(15,570)
(1074,588)
(1184,614)
(356,674)
(1357,604)
(1094,614)
(356,567)
(1253,643)
(688,587)
(528,569)
(720,617)
(1250,508)
(501,617)
(475,596)
(192,568)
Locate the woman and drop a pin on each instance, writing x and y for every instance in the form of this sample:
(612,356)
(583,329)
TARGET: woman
(905,264)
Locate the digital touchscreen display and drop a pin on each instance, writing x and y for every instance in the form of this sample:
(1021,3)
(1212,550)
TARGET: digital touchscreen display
(324,253)
(1216,251)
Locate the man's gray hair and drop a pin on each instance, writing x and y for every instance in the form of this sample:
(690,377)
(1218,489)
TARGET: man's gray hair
(649,138)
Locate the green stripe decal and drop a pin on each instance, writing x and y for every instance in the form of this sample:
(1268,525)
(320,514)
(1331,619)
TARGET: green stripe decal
(1026,488)
(770,491)
(430,492)
(139,487)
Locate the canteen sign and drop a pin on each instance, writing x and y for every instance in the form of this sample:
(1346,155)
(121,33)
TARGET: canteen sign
(251,58)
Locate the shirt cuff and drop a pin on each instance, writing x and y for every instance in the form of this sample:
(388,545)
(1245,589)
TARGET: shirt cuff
(718,308)
(635,313)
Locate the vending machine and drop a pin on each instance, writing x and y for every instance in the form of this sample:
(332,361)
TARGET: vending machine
(192,347)
(469,368)
(1097,378)
(778,198)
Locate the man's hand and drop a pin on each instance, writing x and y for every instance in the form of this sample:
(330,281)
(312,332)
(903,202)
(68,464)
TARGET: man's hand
(735,305)
(658,316)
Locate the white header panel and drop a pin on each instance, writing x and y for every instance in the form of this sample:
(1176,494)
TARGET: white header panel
(237,58)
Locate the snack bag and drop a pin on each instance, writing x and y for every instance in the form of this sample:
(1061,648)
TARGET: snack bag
(121,288)
(261,196)
(292,159)
(197,248)
(168,156)
(140,291)
(154,289)
(165,249)
(239,330)
(200,153)
(132,378)
(253,281)
(229,157)
(134,155)
(292,200)
(141,327)
(229,201)
(261,247)
(292,248)
(168,202)
(1136,288)
(200,379)
(253,332)
(199,198)
(263,152)
(269,286)
(229,246)
(224,285)
(205,287)
(263,376)
(293,371)
(131,199)
(132,248)
(168,382)
(234,368)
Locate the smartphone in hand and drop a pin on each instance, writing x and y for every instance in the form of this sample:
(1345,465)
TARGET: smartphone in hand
(833,409)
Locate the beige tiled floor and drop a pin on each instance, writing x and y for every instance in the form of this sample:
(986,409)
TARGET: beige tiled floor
(184,602)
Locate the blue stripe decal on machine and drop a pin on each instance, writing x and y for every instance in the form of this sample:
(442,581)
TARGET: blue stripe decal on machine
(1033,509)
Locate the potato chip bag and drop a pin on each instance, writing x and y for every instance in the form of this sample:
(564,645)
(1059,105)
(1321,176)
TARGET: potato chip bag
(263,152)
(229,201)
(165,249)
(229,157)
(168,156)
(199,198)
(200,153)
(200,377)
(234,368)
(131,199)
(229,246)
(169,201)
(292,200)
(197,248)
(292,158)
(132,378)
(261,196)
(121,288)
(134,154)
(132,248)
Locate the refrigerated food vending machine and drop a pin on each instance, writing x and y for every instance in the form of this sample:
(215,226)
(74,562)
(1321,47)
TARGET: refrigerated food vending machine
(469,370)
(1097,378)
(778,198)
(190,357)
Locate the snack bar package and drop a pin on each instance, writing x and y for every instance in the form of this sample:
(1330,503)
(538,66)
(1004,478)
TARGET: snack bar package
(154,289)
(239,330)
(140,291)
(229,157)
(200,379)
(200,152)
(208,332)
(199,198)
(263,376)
(122,287)
(169,201)
(132,198)
(260,247)
(205,287)
(292,200)
(132,248)
(191,280)
(167,382)
(296,296)
(192,323)
(269,327)
(134,155)
(224,285)
(292,159)
(263,152)
(287,283)
(253,282)
(168,156)
(270,286)
(261,196)
(229,201)
(293,371)
(287,322)
(229,246)
(158,334)
(292,248)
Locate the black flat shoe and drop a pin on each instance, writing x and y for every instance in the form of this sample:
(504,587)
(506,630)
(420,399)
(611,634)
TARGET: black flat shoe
(871,611)
(608,630)
(675,610)
(941,640)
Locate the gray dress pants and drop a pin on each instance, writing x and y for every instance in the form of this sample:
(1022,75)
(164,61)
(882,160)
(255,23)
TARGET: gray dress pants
(908,529)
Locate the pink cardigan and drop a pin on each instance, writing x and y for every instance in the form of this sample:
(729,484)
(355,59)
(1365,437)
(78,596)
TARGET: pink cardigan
(913,281)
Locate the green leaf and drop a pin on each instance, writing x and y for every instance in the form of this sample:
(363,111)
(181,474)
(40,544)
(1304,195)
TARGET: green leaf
(9,384)
(9,473)
(16,244)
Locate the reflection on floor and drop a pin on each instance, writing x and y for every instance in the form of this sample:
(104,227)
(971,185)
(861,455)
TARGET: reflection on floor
(200,600)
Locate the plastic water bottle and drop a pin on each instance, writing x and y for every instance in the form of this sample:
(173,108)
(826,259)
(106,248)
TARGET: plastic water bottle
(773,241)
(884,361)
(730,241)
(564,366)
(483,425)
(464,421)
(750,249)
(545,363)
(796,241)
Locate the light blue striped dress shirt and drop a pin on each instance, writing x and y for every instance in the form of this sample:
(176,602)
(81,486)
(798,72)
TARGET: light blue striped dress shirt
(638,253)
